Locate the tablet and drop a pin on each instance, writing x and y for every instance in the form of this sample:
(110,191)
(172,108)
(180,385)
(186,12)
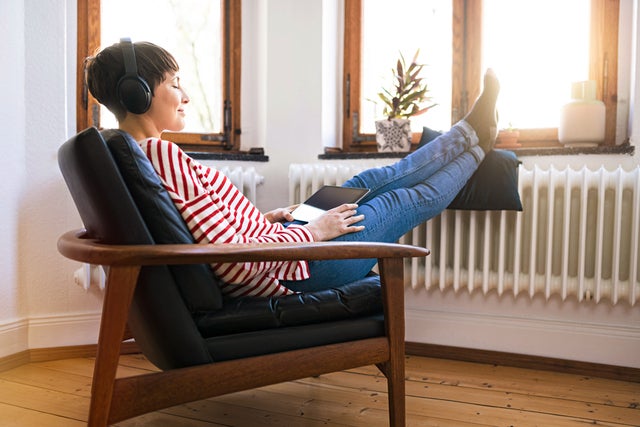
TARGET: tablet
(327,197)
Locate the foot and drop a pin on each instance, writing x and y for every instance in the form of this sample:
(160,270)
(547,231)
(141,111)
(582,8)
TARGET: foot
(483,117)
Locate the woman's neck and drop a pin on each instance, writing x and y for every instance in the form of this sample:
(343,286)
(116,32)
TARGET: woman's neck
(139,128)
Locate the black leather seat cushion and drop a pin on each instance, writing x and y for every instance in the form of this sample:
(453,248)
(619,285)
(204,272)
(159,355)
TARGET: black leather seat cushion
(234,346)
(255,314)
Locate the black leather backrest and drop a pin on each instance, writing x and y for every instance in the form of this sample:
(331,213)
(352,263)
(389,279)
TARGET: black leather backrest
(100,195)
(197,284)
(159,319)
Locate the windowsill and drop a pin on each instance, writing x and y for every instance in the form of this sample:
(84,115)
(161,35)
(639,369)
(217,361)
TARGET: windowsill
(229,156)
(625,148)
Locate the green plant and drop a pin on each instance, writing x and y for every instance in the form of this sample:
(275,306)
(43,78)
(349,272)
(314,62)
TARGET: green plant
(409,94)
(510,127)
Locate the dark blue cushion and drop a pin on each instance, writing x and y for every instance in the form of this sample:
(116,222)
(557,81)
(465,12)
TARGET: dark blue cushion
(494,185)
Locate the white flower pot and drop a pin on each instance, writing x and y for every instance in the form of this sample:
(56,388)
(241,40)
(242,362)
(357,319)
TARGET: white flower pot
(393,135)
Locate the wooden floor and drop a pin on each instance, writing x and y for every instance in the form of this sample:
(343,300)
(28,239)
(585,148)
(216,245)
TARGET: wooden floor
(439,393)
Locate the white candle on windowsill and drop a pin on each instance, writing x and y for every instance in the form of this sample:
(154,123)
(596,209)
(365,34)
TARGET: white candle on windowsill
(582,120)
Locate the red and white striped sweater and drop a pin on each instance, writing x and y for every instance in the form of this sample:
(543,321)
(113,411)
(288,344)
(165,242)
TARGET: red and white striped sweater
(216,212)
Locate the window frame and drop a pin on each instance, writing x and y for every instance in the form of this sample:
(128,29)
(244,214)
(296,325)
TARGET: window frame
(88,109)
(467,73)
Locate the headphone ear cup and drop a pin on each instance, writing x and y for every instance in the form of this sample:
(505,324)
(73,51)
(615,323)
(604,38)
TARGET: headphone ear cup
(134,93)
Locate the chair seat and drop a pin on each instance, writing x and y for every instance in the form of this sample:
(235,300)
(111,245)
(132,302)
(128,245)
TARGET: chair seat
(278,340)
(248,314)
(252,326)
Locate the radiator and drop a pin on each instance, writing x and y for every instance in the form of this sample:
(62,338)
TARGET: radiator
(577,236)
(246,180)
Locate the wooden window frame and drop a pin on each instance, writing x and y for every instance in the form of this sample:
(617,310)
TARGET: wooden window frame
(88,109)
(467,73)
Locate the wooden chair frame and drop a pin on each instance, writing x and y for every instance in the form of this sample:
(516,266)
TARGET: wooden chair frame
(116,399)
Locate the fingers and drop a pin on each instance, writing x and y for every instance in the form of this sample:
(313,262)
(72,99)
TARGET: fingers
(348,209)
(280,214)
(336,222)
(353,228)
(286,214)
(347,213)
(346,218)
(348,206)
(354,219)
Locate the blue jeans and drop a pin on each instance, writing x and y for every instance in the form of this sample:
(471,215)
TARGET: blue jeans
(403,195)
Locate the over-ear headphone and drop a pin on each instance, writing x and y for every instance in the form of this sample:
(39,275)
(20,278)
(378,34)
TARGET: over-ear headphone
(133,91)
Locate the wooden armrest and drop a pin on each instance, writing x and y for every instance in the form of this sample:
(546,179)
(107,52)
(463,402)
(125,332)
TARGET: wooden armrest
(77,246)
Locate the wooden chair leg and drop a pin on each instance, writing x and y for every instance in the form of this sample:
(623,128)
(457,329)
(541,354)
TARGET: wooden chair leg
(394,371)
(391,275)
(120,286)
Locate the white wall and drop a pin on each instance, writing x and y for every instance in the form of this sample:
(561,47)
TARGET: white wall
(39,305)
(291,106)
(12,113)
(286,85)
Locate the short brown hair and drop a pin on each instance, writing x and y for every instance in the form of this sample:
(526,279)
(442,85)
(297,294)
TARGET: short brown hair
(104,70)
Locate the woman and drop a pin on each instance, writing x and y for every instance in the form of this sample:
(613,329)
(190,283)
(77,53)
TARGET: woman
(402,195)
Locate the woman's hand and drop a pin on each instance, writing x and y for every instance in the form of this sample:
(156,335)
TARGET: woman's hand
(336,222)
(280,214)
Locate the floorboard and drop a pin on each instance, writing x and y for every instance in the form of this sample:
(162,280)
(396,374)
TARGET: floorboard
(439,393)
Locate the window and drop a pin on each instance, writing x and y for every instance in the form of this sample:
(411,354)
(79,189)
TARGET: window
(203,36)
(538,49)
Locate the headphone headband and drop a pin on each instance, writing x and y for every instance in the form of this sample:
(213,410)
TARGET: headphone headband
(129,56)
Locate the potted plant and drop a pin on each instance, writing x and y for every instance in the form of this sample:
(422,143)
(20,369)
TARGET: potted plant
(508,138)
(407,98)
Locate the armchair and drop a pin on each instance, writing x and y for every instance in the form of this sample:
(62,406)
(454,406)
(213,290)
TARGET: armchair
(161,289)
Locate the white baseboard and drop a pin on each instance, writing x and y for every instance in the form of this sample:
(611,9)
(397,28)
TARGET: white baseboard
(48,331)
(14,337)
(606,343)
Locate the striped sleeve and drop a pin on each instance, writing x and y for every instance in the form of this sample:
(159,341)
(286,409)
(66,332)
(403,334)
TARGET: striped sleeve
(215,211)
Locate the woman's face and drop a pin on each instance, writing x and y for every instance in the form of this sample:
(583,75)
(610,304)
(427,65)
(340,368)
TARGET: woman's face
(167,104)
